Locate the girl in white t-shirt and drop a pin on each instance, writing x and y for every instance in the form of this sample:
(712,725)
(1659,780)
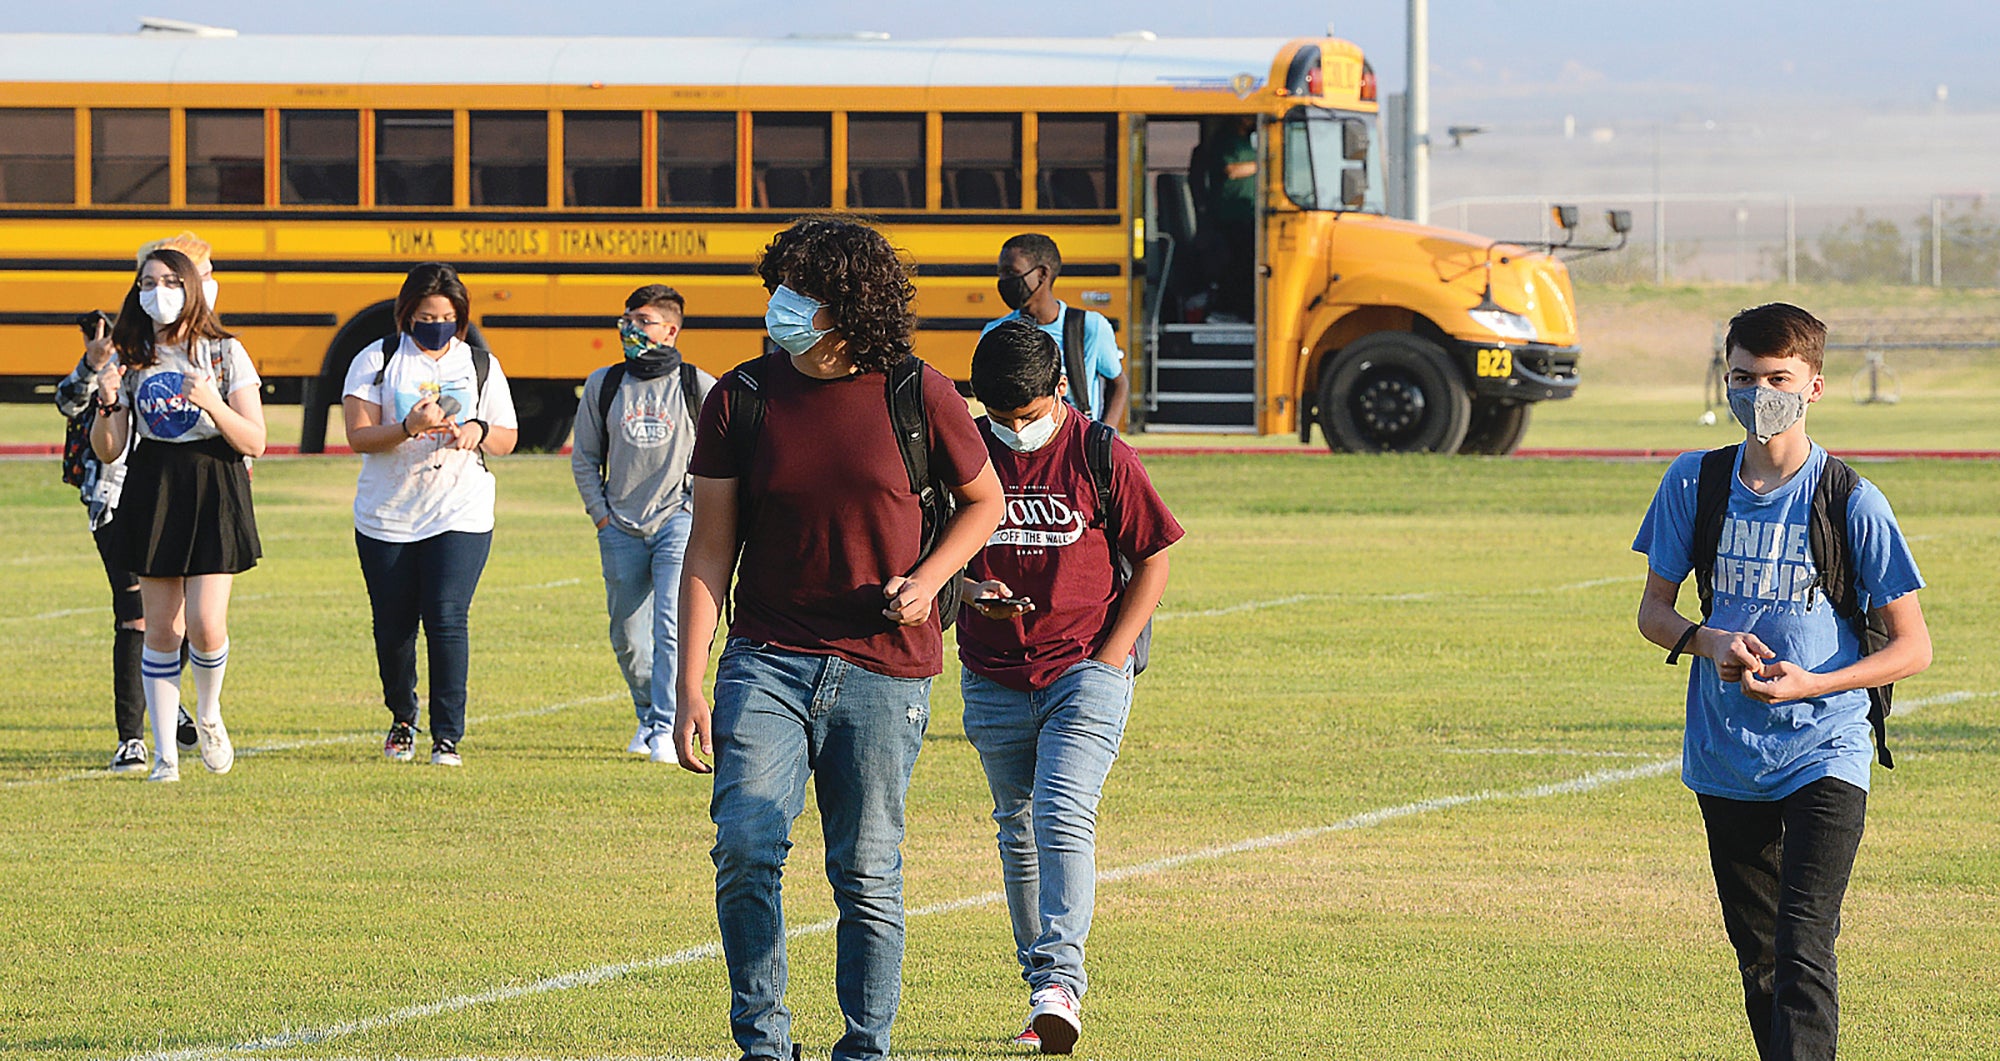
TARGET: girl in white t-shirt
(423,413)
(185,522)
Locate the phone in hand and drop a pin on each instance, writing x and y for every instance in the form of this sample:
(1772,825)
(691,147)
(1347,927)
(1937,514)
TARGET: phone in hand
(89,323)
(1005,602)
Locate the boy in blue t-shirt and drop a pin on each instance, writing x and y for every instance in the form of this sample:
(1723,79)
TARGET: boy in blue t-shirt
(1777,747)
(1029,265)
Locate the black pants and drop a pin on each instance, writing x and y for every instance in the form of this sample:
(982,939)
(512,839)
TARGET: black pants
(431,581)
(128,689)
(1781,870)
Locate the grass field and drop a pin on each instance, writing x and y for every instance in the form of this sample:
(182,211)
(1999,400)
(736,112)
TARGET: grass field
(1399,784)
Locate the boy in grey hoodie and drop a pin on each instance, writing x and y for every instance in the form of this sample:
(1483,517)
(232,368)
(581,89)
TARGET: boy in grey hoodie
(634,433)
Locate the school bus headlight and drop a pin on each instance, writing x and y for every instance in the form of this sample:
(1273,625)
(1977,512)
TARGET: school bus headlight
(1503,324)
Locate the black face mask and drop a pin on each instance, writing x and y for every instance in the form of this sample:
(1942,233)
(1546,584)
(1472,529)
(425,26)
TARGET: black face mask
(1014,290)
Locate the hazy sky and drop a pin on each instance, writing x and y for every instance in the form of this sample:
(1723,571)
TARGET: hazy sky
(1623,59)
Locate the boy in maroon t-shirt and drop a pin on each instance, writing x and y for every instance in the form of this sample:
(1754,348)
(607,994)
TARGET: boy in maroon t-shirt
(834,641)
(1046,641)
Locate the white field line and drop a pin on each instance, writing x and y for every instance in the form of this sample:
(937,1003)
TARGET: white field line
(713,949)
(342,738)
(1575,752)
(240,599)
(1384,598)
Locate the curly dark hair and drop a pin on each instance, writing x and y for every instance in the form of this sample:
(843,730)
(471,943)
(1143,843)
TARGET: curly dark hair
(853,269)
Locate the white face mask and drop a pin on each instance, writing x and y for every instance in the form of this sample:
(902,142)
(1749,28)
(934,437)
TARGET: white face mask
(1028,439)
(208,291)
(163,304)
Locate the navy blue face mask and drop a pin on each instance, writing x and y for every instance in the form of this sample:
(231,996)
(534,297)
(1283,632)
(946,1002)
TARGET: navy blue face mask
(433,335)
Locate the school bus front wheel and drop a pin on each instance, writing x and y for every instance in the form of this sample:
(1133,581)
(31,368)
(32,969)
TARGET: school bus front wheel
(1393,392)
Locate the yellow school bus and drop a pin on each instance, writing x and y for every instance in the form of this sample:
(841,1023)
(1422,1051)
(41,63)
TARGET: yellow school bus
(1219,200)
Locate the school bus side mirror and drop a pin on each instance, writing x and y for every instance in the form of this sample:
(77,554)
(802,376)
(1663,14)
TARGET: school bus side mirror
(1565,216)
(1353,140)
(1619,220)
(1353,188)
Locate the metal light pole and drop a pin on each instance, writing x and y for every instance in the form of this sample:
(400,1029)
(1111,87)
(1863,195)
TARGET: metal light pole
(1417,115)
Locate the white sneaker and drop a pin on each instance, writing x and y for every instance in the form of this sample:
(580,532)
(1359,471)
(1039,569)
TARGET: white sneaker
(164,771)
(642,741)
(216,752)
(1056,1017)
(663,747)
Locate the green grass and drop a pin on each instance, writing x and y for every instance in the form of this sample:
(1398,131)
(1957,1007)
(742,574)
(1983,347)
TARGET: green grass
(1434,609)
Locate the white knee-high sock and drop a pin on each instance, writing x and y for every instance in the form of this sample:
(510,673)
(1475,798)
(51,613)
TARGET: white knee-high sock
(162,674)
(208,671)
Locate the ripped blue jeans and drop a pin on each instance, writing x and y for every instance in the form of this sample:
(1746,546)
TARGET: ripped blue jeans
(779,717)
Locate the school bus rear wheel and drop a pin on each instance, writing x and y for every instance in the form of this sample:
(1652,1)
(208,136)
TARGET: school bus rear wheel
(1393,392)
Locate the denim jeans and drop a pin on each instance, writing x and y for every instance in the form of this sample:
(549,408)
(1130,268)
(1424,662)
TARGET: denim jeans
(779,717)
(429,581)
(1046,756)
(1781,870)
(642,593)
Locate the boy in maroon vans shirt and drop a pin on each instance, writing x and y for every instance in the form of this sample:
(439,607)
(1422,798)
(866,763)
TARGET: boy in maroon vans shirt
(1048,675)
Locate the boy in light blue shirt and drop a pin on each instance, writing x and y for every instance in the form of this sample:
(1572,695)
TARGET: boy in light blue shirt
(1778,740)
(1029,265)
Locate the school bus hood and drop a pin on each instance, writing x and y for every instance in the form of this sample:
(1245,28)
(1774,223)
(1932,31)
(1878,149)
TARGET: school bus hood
(1441,275)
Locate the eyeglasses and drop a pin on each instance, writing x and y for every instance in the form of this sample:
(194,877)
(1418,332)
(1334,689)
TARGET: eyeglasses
(147,283)
(643,322)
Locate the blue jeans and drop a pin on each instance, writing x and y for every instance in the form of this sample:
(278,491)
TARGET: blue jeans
(642,593)
(1781,870)
(779,717)
(1046,756)
(429,581)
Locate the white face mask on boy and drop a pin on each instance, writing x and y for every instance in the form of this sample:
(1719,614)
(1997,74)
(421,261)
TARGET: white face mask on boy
(1029,438)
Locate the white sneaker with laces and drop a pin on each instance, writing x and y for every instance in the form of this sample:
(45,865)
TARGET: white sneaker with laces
(216,752)
(1056,1018)
(642,741)
(164,771)
(663,747)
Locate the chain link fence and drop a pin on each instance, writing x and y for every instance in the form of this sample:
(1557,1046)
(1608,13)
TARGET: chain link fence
(1942,241)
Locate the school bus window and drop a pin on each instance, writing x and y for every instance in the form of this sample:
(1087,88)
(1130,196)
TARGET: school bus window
(128,156)
(319,158)
(413,158)
(791,158)
(510,158)
(601,160)
(885,161)
(1076,162)
(697,159)
(225,157)
(981,165)
(37,156)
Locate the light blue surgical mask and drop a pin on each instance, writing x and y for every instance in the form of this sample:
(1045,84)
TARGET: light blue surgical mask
(789,320)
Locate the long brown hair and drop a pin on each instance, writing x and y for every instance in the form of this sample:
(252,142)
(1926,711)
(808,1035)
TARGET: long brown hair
(133,334)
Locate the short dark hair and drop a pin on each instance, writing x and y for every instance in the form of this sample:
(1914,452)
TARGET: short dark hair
(853,269)
(1778,329)
(1036,248)
(666,298)
(1014,364)
(433,278)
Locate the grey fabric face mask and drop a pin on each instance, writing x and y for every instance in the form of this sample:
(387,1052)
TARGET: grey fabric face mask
(1766,412)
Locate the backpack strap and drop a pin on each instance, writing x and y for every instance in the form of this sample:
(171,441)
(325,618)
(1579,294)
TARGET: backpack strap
(1097,438)
(482,366)
(607,389)
(1711,507)
(1076,330)
(746,416)
(912,423)
(1833,557)
(389,345)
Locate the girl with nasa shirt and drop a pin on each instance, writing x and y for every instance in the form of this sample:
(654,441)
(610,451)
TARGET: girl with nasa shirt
(185,522)
(423,506)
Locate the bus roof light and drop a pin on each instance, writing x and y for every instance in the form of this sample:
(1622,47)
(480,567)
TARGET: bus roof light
(1367,81)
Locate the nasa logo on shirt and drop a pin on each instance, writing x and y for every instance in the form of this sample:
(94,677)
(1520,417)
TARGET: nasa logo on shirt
(167,411)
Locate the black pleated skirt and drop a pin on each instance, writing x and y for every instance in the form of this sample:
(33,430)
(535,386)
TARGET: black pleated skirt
(186,511)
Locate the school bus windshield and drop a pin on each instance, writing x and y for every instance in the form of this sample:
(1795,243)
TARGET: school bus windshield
(1333,161)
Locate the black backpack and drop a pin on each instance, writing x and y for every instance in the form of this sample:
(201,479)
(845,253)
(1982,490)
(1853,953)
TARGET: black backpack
(614,377)
(905,394)
(482,365)
(1097,456)
(1075,329)
(1826,535)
